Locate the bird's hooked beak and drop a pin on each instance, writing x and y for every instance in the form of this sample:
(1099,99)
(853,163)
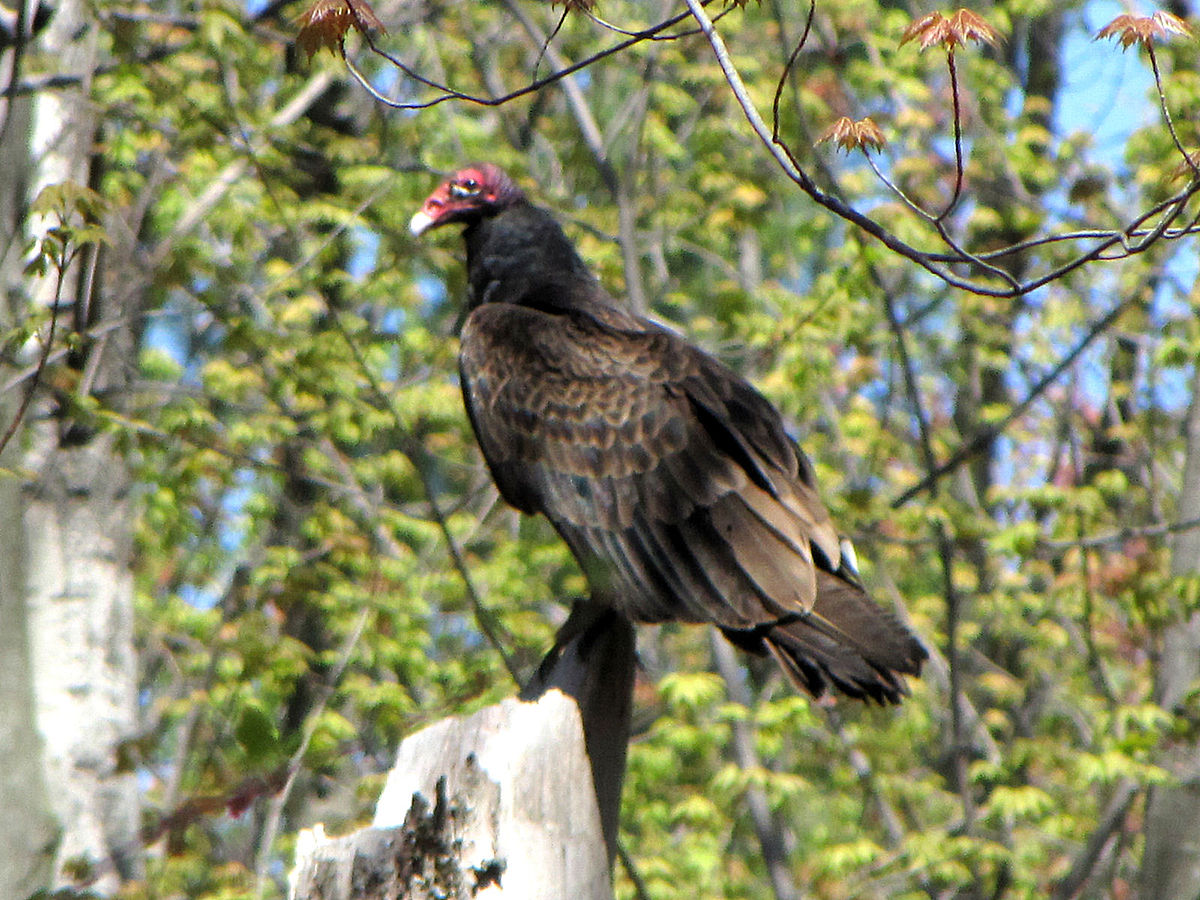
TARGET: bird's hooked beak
(426,217)
(434,211)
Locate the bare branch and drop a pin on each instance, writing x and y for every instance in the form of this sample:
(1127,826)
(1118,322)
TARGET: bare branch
(1159,529)
(448,93)
(787,69)
(1162,103)
(277,802)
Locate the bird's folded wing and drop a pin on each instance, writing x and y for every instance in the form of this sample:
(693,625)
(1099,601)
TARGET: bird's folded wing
(672,480)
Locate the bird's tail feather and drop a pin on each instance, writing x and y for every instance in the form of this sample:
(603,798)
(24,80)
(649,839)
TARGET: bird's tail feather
(846,641)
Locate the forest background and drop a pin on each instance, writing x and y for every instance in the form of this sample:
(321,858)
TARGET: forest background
(247,542)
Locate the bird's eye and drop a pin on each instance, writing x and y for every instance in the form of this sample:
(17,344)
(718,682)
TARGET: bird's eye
(468,187)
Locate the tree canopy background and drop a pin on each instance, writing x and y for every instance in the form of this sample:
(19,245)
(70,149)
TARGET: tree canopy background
(320,562)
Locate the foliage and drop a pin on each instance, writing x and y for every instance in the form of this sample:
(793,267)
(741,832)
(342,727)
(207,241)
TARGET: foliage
(323,565)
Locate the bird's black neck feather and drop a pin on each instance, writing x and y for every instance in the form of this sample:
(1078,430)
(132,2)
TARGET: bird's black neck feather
(521,255)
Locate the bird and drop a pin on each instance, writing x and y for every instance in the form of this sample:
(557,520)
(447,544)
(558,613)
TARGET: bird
(672,480)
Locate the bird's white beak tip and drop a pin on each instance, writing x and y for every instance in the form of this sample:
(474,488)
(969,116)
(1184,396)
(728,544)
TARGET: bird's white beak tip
(420,223)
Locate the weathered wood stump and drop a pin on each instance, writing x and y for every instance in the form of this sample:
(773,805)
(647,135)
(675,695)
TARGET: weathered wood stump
(520,799)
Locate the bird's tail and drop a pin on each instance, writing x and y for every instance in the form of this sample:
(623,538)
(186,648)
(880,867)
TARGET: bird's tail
(846,641)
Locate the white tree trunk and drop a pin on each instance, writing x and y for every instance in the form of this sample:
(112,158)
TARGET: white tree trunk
(27,839)
(80,593)
(66,594)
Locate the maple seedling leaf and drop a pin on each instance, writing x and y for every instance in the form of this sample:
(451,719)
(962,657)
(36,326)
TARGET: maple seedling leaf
(1144,30)
(950,31)
(850,135)
(325,23)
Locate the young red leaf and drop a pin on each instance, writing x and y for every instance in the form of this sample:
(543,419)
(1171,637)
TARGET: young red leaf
(326,22)
(851,135)
(950,31)
(1130,29)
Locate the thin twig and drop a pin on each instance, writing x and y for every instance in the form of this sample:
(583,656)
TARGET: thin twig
(416,453)
(1161,529)
(965,255)
(449,93)
(1122,800)
(899,192)
(958,152)
(984,438)
(639,886)
(787,68)
(961,254)
(20,27)
(278,801)
(546,43)
(61,265)
(594,140)
(617,29)
(1162,103)
(1107,234)
(768,826)
(958,744)
(1095,663)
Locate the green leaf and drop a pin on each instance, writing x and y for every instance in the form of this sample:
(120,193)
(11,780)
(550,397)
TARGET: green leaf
(256,734)
(692,689)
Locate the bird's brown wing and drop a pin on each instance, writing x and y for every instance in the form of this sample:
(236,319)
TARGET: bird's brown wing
(676,487)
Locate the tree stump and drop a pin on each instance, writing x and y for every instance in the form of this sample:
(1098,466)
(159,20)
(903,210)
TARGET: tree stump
(518,800)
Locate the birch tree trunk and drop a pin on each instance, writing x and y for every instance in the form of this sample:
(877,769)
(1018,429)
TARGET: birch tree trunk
(66,588)
(27,841)
(1171,860)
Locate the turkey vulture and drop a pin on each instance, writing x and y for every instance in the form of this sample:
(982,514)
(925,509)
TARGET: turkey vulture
(671,479)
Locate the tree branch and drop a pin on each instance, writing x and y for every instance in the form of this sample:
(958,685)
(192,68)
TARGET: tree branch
(984,438)
(790,165)
(1114,816)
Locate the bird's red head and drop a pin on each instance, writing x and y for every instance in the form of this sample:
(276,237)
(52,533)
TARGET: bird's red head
(473,193)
